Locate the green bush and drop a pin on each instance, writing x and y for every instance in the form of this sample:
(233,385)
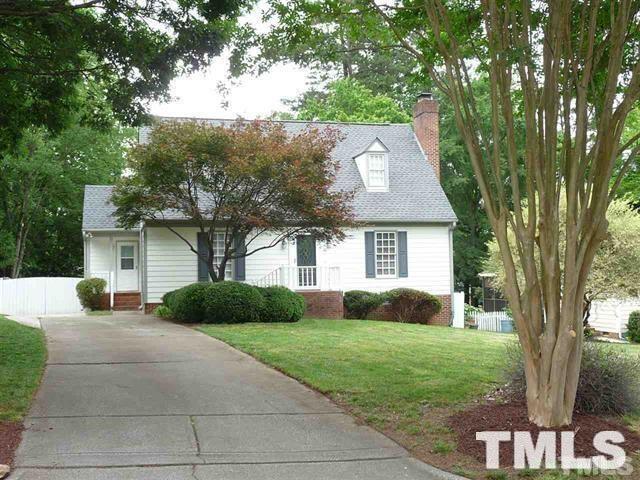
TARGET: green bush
(163,311)
(633,327)
(281,305)
(187,303)
(359,303)
(413,306)
(608,384)
(167,298)
(232,302)
(90,292)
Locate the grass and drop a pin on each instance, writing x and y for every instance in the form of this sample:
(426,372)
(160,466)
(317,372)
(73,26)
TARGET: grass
(380,369)
(403,379)
(22,359)
(99,313)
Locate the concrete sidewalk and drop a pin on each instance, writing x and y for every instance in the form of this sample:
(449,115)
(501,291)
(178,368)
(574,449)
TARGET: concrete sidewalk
(134,397)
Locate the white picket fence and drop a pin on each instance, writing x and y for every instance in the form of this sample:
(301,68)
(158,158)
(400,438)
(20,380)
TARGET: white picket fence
(490,321)
(39,296)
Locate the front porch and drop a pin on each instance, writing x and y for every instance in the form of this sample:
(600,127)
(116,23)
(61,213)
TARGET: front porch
(303,278)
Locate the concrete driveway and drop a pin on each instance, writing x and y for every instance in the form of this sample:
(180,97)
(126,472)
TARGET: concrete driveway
(134,397)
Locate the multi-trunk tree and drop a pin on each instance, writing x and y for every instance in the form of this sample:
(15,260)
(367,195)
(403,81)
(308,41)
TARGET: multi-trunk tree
(569,72)
(252,181)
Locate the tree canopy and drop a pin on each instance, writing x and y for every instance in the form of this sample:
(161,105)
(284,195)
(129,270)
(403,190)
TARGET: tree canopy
(347,100)
(248,181)
(42,183)
(128,50)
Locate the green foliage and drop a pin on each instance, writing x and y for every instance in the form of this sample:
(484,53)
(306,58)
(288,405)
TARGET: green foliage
(281,305)
(413,306)
(188,303)
(263,177)
(347,100)
(615,272)
(168,299)
(232,302)
(608,384)
(42,180)
(633,327)
(469,310)
(163,311)
(90,292)
(359,303)
(22,358)
(130,50)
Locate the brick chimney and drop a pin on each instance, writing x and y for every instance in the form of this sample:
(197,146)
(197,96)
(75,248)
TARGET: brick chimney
(426,126)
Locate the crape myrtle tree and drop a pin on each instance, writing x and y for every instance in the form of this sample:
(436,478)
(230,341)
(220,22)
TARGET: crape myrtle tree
(615,273)
(246,180)
(569,71)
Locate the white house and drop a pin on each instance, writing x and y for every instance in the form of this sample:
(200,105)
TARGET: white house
(406,240)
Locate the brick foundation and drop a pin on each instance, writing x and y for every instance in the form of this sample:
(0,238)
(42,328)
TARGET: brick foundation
(323,304)
(441,318)
(150,307)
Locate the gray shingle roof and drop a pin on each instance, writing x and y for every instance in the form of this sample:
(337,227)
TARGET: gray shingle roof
(414,195)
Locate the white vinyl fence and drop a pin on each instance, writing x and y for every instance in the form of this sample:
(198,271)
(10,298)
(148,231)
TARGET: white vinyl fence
(458,310)
(493,321)
(39,296)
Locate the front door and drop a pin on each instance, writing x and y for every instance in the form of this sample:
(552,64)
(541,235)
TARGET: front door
(306,260)
(127,268)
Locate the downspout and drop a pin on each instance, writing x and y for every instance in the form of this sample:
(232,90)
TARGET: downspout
(112,271)
(142,267)
(451,274)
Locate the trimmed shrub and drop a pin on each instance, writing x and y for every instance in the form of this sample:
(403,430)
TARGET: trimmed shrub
(90,292)
(281,305)
(413,306)
(163,311)
(633,327)
(359,303)
(232,302)
(608,383)
(167,298)
(187,303)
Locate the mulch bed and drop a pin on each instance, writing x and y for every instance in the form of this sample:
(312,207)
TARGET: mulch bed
(10,434)
(513,417)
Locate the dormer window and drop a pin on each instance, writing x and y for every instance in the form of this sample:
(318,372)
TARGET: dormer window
(373,165)
(377,170)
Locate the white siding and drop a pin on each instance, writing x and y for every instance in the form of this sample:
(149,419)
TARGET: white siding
(612,316)
(101,249)
(427,253)
(171,265)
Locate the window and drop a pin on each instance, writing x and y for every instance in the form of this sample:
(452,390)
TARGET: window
(377,170)
(127,257)
(218,253)
(386,254)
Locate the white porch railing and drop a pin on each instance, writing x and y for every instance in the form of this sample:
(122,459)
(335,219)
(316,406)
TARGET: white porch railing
(303,278)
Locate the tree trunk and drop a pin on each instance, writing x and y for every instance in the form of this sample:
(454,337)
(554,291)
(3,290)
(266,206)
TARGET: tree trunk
(21,241)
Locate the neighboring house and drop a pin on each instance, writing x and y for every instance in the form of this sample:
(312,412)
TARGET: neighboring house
(406,240)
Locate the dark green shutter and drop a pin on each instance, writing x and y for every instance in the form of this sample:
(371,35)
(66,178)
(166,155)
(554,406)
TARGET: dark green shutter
(370,256)
(203,271)
(239,270)
(403,263)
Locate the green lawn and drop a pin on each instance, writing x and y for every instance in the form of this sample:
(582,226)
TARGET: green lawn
(378,368)
(22,357)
